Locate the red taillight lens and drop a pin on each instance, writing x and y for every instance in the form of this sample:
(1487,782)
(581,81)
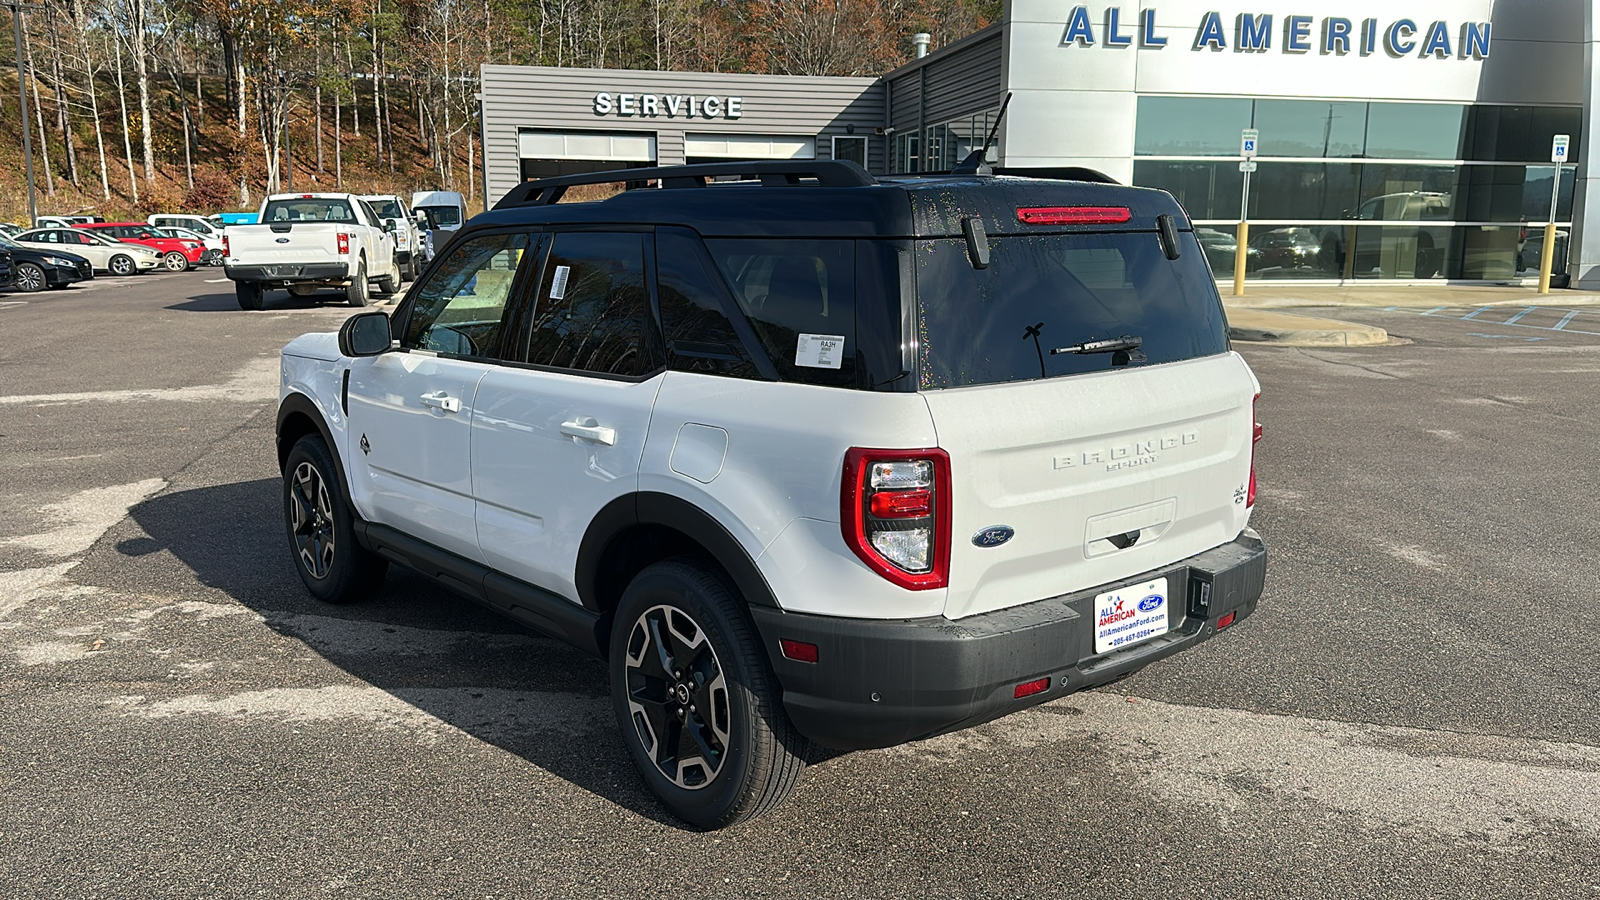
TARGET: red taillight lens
(1255,438)
(344,243)
(895,514)
(799,651)
(225,250)
(1073,215)
(1029,688)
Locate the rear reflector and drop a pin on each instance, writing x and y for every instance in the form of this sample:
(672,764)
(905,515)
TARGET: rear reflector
(798,651)
(1029,688)
(1073,215)
(1226,620)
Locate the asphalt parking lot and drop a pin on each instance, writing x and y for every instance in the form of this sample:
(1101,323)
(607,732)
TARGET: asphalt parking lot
(1413,711)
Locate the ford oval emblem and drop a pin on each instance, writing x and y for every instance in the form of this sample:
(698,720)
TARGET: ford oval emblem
(1151,603)
(282,241)
(994,536)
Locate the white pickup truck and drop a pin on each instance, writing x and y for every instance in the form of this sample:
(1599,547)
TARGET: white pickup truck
(306,242)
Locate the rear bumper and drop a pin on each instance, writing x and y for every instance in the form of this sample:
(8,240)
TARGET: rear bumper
(879,683)
(289,272)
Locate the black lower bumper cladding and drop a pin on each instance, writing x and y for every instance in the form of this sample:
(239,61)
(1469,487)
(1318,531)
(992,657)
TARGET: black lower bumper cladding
(880,683)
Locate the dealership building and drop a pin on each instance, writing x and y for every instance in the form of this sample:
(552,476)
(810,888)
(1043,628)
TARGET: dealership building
(1398,141)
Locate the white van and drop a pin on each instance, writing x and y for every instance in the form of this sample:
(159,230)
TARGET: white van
(443,212)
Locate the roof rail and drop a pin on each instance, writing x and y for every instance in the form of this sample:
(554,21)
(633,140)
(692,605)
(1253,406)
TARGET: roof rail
(772,173)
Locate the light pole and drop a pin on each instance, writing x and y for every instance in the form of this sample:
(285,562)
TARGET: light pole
(22,92)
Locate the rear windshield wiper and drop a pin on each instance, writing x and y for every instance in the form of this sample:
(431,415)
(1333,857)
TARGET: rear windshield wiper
(1114,345)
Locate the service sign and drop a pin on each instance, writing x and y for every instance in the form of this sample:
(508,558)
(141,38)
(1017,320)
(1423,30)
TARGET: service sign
(1254,32)
(671,106)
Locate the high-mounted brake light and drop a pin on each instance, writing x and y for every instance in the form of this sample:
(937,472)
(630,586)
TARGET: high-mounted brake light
(344,243)
(1255,438)
(1074,215)
(894,510)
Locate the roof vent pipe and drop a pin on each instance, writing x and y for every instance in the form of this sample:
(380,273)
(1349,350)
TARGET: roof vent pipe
(921,40)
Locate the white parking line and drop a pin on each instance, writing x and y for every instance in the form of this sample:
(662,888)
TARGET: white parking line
(217,280)
(8,304)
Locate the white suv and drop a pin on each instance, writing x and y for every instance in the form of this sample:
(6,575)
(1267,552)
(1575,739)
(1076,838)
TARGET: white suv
(813,457)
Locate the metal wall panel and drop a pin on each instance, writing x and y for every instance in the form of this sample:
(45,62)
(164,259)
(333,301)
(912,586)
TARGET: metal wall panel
(564,100)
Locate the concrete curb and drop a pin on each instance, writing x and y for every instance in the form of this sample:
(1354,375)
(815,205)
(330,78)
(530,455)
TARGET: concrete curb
(1288,329)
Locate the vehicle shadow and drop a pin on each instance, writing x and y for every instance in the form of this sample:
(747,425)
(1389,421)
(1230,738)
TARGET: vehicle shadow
(442,654)
(275,301)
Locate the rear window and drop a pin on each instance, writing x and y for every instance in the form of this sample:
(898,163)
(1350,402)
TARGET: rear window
(387,209)
(441,216)
(308,210)
(1053,292)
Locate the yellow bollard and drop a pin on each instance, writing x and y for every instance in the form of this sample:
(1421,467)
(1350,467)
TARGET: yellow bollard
(1547,258)
(1240,254)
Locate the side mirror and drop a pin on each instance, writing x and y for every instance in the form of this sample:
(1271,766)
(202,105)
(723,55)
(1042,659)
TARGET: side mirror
(389,225)
(365,334)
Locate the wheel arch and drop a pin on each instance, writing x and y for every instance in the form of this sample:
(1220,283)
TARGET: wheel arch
(639,529)
(299,416)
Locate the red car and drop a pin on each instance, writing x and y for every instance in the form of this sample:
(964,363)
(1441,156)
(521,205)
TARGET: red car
(177,254)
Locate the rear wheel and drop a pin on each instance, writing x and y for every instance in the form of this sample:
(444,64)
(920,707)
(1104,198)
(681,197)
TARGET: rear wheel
(30,277)
(390,284)
(121,264)
(249,294)
(358,292)
(321,529)
(696,700)
(175,262)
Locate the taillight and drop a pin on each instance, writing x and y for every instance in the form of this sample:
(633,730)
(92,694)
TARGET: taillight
(1255,438)
(1073,215)
(895,514)
(344,244)
(225,250)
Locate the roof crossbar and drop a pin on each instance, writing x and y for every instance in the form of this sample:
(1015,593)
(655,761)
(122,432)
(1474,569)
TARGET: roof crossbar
(772,173)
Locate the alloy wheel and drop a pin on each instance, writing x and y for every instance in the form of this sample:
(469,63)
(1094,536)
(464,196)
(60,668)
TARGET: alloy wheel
(312,520)
(30,278)
(121,265)
(175,262)
(678,697)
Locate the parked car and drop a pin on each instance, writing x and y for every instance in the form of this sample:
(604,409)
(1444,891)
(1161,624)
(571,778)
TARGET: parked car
(410,241)
(1392,254)
(1286,251)
(212,254)
(821,458)
(66,221)
(444,211)
(312,241)
(200,225)
(177,254)
(237,218)
(36,269)
(9,229)
(105,253)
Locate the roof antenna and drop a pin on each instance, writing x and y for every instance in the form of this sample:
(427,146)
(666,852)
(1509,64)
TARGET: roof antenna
(977,162)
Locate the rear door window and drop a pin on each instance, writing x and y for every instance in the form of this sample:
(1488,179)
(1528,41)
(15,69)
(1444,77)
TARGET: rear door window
(698,333)
(592,310)
(799,296)
(1044,293)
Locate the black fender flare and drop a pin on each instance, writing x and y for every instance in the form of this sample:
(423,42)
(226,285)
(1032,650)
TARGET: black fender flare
(654,508)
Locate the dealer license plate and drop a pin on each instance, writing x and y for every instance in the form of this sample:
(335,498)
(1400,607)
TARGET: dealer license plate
(1130,615)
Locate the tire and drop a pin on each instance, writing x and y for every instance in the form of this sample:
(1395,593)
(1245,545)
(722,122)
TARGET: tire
(30,278)
(358,293)
(302,290)
(121,264)
(321,529)
(249,294)
(695,615)
(390,284)
(175,262)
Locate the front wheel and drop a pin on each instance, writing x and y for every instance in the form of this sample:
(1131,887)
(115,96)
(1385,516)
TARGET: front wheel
(175,262)
(121,264)
(321,528)
(696,700)
(30,277)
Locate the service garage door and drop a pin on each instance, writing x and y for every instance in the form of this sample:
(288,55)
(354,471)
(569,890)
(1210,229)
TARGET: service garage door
(548,153)
(718,147)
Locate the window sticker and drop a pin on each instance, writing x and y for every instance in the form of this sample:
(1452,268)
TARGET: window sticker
(820,351)
(558,286)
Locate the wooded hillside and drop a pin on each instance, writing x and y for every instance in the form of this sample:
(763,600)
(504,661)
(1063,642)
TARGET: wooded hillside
(203,105)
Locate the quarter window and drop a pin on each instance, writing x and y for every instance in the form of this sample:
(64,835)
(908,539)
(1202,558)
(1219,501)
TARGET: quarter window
(799,295)
(592,309)
(460,307)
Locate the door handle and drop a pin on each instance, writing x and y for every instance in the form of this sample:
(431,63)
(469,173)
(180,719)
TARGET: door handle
(586,428)
(442,401)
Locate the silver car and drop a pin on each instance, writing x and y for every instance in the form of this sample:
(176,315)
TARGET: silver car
(106,254)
